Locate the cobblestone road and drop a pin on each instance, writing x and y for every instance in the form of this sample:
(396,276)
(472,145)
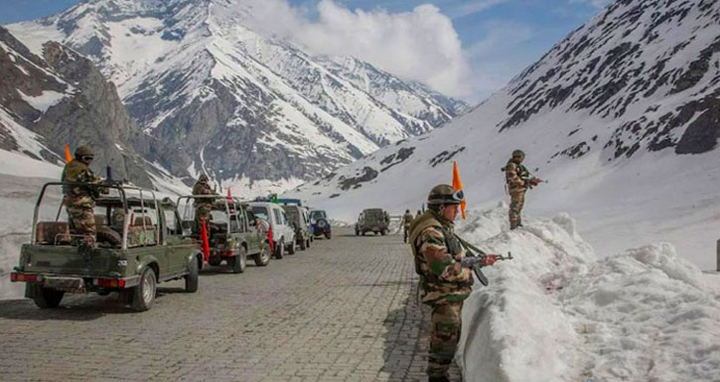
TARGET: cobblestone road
(343,311)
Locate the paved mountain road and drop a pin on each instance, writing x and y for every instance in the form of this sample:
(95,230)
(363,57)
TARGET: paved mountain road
(344,310)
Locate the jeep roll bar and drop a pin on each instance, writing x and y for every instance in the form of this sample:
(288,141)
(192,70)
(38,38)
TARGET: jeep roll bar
(123,198)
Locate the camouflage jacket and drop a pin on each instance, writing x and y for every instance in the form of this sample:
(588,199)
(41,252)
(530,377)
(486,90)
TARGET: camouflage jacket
(437,254)
(80,196)
(407,219)
(515,176)
(203,188)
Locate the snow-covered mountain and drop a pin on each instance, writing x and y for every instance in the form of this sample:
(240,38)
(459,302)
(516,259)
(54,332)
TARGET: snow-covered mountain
(245,106)
(57,97)
(623,118)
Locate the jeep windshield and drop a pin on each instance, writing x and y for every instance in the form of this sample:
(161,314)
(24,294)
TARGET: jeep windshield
(375,214)
(293,214)
(260,212)
(317,215)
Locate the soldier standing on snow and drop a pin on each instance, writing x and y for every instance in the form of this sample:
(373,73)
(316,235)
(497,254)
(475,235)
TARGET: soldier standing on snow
(445,281)
(518,182)
(203,206)
(407,219)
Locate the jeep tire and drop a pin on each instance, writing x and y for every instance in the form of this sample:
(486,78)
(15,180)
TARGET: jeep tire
(239,263)
(262,259)
(192,279)
(144,293)
(47,298)
(280,249)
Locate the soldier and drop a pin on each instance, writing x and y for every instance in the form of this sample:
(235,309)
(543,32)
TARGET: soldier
(407,219)
(518,181)
(445,281)
(203,206)
(80,199)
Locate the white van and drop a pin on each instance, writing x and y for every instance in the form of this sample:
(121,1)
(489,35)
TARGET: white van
(283,232)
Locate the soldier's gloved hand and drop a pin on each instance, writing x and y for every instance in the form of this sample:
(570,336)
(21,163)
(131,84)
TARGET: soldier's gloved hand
(534,181)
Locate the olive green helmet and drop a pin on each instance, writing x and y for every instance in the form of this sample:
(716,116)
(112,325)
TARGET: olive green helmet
(204,178)
(518,154)
(84,151)
(445,194)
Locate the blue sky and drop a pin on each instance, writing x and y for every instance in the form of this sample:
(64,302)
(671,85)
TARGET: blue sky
(498,37)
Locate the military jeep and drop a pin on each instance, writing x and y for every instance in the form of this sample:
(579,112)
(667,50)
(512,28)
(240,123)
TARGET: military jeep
(372,220)
(231,231)
(139,244)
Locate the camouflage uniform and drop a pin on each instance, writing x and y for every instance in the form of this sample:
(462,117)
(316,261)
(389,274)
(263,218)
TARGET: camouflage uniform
(516,176)
(203,206)
(445,285)
(407,219)
(80,200)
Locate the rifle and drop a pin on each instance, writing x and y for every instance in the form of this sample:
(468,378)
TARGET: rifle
(476,257)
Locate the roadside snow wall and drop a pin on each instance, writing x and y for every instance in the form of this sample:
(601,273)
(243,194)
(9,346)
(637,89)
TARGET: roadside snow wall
(556,313)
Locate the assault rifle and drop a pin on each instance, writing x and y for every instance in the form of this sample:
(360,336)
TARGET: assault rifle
(477,258)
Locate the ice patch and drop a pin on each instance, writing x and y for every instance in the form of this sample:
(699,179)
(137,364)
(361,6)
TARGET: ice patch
(44,101)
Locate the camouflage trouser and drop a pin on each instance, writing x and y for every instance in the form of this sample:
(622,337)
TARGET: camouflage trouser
(517,201)
(81,220)
(446,322)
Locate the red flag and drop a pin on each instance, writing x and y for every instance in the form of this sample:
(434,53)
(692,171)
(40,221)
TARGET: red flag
(230,201)
(204,238)
(457,185)
(270,238)
(68,156)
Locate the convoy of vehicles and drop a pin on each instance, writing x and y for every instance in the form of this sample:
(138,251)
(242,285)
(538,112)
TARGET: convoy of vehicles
(142,241)
(374,220)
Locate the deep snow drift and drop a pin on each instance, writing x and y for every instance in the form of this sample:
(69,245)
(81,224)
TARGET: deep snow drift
(558,313)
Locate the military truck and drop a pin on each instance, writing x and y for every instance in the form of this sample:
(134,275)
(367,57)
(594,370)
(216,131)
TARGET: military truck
(140,243)
(298,219)
(231,231)
(372,220)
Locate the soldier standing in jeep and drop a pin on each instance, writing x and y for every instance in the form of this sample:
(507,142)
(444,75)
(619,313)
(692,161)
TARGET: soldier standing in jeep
(203,206)
(80,199)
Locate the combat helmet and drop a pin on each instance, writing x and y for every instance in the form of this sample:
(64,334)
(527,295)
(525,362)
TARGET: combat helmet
(204,178)
(83,151)
(518,154)
(445,194)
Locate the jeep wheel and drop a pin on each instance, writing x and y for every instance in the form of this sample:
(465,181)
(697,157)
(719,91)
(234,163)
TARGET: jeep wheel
(192,279)
(46,298)
(328,235)
(304,244)
(144,293)
(280,249)
(262,259)
(384,232)
(291,247)
(357,233)
(239,262)
(363,233)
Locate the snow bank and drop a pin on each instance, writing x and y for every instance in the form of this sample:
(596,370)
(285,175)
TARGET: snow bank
(556,313)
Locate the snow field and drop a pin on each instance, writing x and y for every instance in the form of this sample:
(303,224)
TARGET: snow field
(557,313)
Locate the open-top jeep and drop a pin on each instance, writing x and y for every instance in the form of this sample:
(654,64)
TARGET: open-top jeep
(139,244)
(372,220)
(231,230)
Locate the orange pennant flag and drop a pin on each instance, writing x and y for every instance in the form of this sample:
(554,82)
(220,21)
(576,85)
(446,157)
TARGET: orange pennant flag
(457,185)
(68,156)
